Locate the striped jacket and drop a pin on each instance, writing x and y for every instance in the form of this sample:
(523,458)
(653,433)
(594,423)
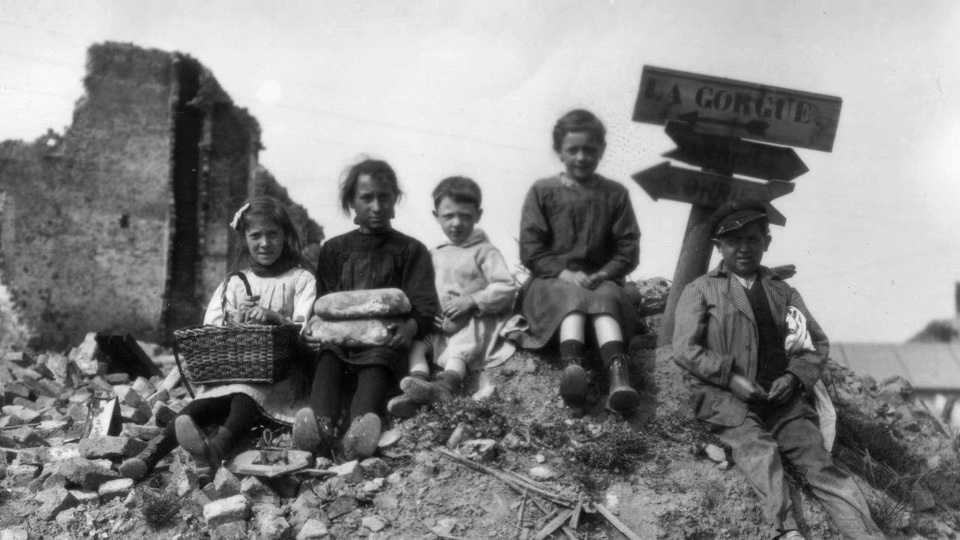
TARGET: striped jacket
(715,336)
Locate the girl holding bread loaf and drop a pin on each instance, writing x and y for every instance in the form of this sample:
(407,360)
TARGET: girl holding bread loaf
(367,332)
(282,291)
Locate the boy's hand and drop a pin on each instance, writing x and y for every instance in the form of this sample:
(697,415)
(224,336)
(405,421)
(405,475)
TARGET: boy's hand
(783,388)
(313,344)
(746,390)
(403,334)
(594,280)
(459,307)
(576,278)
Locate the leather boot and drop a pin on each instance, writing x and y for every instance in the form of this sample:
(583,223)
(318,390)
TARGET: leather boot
(446,385)
(623,398)
(312,434)
(207,453)
(403,406)
(143,463)
(573,384)
(417,389)
(362,438)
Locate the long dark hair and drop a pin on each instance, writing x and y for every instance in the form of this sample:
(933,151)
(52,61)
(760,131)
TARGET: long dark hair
(269,209)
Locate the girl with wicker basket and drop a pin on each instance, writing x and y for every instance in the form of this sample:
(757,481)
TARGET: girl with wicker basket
(375,256)
(274,287)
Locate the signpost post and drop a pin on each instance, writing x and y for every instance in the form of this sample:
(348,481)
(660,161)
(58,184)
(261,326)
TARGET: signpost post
(707,117)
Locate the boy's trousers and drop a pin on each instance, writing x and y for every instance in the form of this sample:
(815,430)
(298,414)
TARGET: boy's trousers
(792,429)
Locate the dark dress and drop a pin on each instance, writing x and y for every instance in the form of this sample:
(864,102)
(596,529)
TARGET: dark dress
(356,261)
(580,227)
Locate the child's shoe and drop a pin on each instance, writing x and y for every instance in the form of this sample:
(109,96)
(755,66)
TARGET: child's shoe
(403,406)
(623,398)
(418,389)
(140,465)
(207,453)
(446,385)
(310,434)
(573,384)
(361,439)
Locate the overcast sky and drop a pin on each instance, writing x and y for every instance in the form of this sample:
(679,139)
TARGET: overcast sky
(463,87)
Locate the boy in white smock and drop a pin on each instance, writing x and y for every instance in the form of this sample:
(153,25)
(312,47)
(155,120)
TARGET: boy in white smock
(476,291)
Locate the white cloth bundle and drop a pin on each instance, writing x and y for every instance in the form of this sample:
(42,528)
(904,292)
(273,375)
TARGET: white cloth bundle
(798,340)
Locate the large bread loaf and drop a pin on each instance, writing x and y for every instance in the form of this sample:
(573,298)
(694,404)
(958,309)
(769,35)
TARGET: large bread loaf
(355,332)
(362,304)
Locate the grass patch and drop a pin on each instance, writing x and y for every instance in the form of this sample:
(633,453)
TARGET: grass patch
(619,450)
(160,510)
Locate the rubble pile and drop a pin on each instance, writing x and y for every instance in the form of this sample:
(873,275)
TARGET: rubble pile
(504,462)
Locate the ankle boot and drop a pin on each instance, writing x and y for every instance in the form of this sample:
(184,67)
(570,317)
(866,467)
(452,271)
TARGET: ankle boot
(403,406)
(417,389)
(573,383)
(362,438)
(312,434)
(623,398)
(143,463)
(207,453)
(446,386)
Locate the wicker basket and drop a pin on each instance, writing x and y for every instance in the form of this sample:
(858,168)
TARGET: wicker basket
(237,353)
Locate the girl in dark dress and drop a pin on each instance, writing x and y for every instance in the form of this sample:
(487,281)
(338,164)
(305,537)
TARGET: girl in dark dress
(579,238)
(374,256)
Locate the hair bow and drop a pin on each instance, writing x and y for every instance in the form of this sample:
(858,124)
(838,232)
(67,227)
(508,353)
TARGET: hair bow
(235,224)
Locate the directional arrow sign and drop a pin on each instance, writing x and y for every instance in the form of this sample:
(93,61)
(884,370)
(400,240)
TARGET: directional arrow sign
(738,109)
(709,190)
(733,156)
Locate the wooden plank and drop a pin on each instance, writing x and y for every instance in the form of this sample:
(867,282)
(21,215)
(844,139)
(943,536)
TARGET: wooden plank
(733,156)
(741,109)
(709,190)
(554,524)
(616,522)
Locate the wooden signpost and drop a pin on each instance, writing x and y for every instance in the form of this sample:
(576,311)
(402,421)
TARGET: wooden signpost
(707,117)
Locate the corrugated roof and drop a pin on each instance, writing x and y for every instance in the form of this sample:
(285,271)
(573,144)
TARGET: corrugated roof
(931,366)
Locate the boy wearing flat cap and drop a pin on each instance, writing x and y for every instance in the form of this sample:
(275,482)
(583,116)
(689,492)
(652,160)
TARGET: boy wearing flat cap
(729,337)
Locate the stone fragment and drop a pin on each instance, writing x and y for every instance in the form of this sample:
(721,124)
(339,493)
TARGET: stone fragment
(389,438)
(350,472)
(67,517)
(19,358)
(144,433)
(23,414)
(58,453)
(87,474)
(274,527)
(163,414)
(374,467)
(305,508)
(58,365)
(313,529)
(715,453)
(227,510)
(235,530)
(87,355)
(14,533)
(541,473)
(895,386)
(111,447)
(43,387)
(144,387)
(21,475)
(26,437)
(55,500)
(343,504)
(254,489)
(225,483)
(922,498)
(374,523)
(84,496)
(14,389)
(115,489)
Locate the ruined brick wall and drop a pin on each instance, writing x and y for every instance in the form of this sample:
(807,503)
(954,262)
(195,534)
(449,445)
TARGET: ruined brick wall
(122,223)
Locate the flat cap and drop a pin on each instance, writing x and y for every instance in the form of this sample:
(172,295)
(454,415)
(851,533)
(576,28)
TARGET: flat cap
(733,215)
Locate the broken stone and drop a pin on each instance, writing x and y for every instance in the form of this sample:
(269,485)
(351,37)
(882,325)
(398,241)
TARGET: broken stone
(254,489)
(58,453)
(375,467)
(55,500)
(21,475)
(58,366)
(26,437)
(43,387)
(67,517)
(87,474)
(235,530)
(373,523)
(313,529)
(922,498)
(19,358)
(895,386)
(163,414)
(111,447)
(143,386)
(343,504)
(115,489)
(305,509)
(481,449)
(14,533)
(541,473)
(144,433)
(389,438)
(14,389)
(350,472)
(23,414)
(225,483)
(228,510)
(84,496)
(715,453)
(274,527)
(134,414)
(87,355)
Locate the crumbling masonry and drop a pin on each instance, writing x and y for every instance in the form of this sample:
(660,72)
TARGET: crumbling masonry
(121,223)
